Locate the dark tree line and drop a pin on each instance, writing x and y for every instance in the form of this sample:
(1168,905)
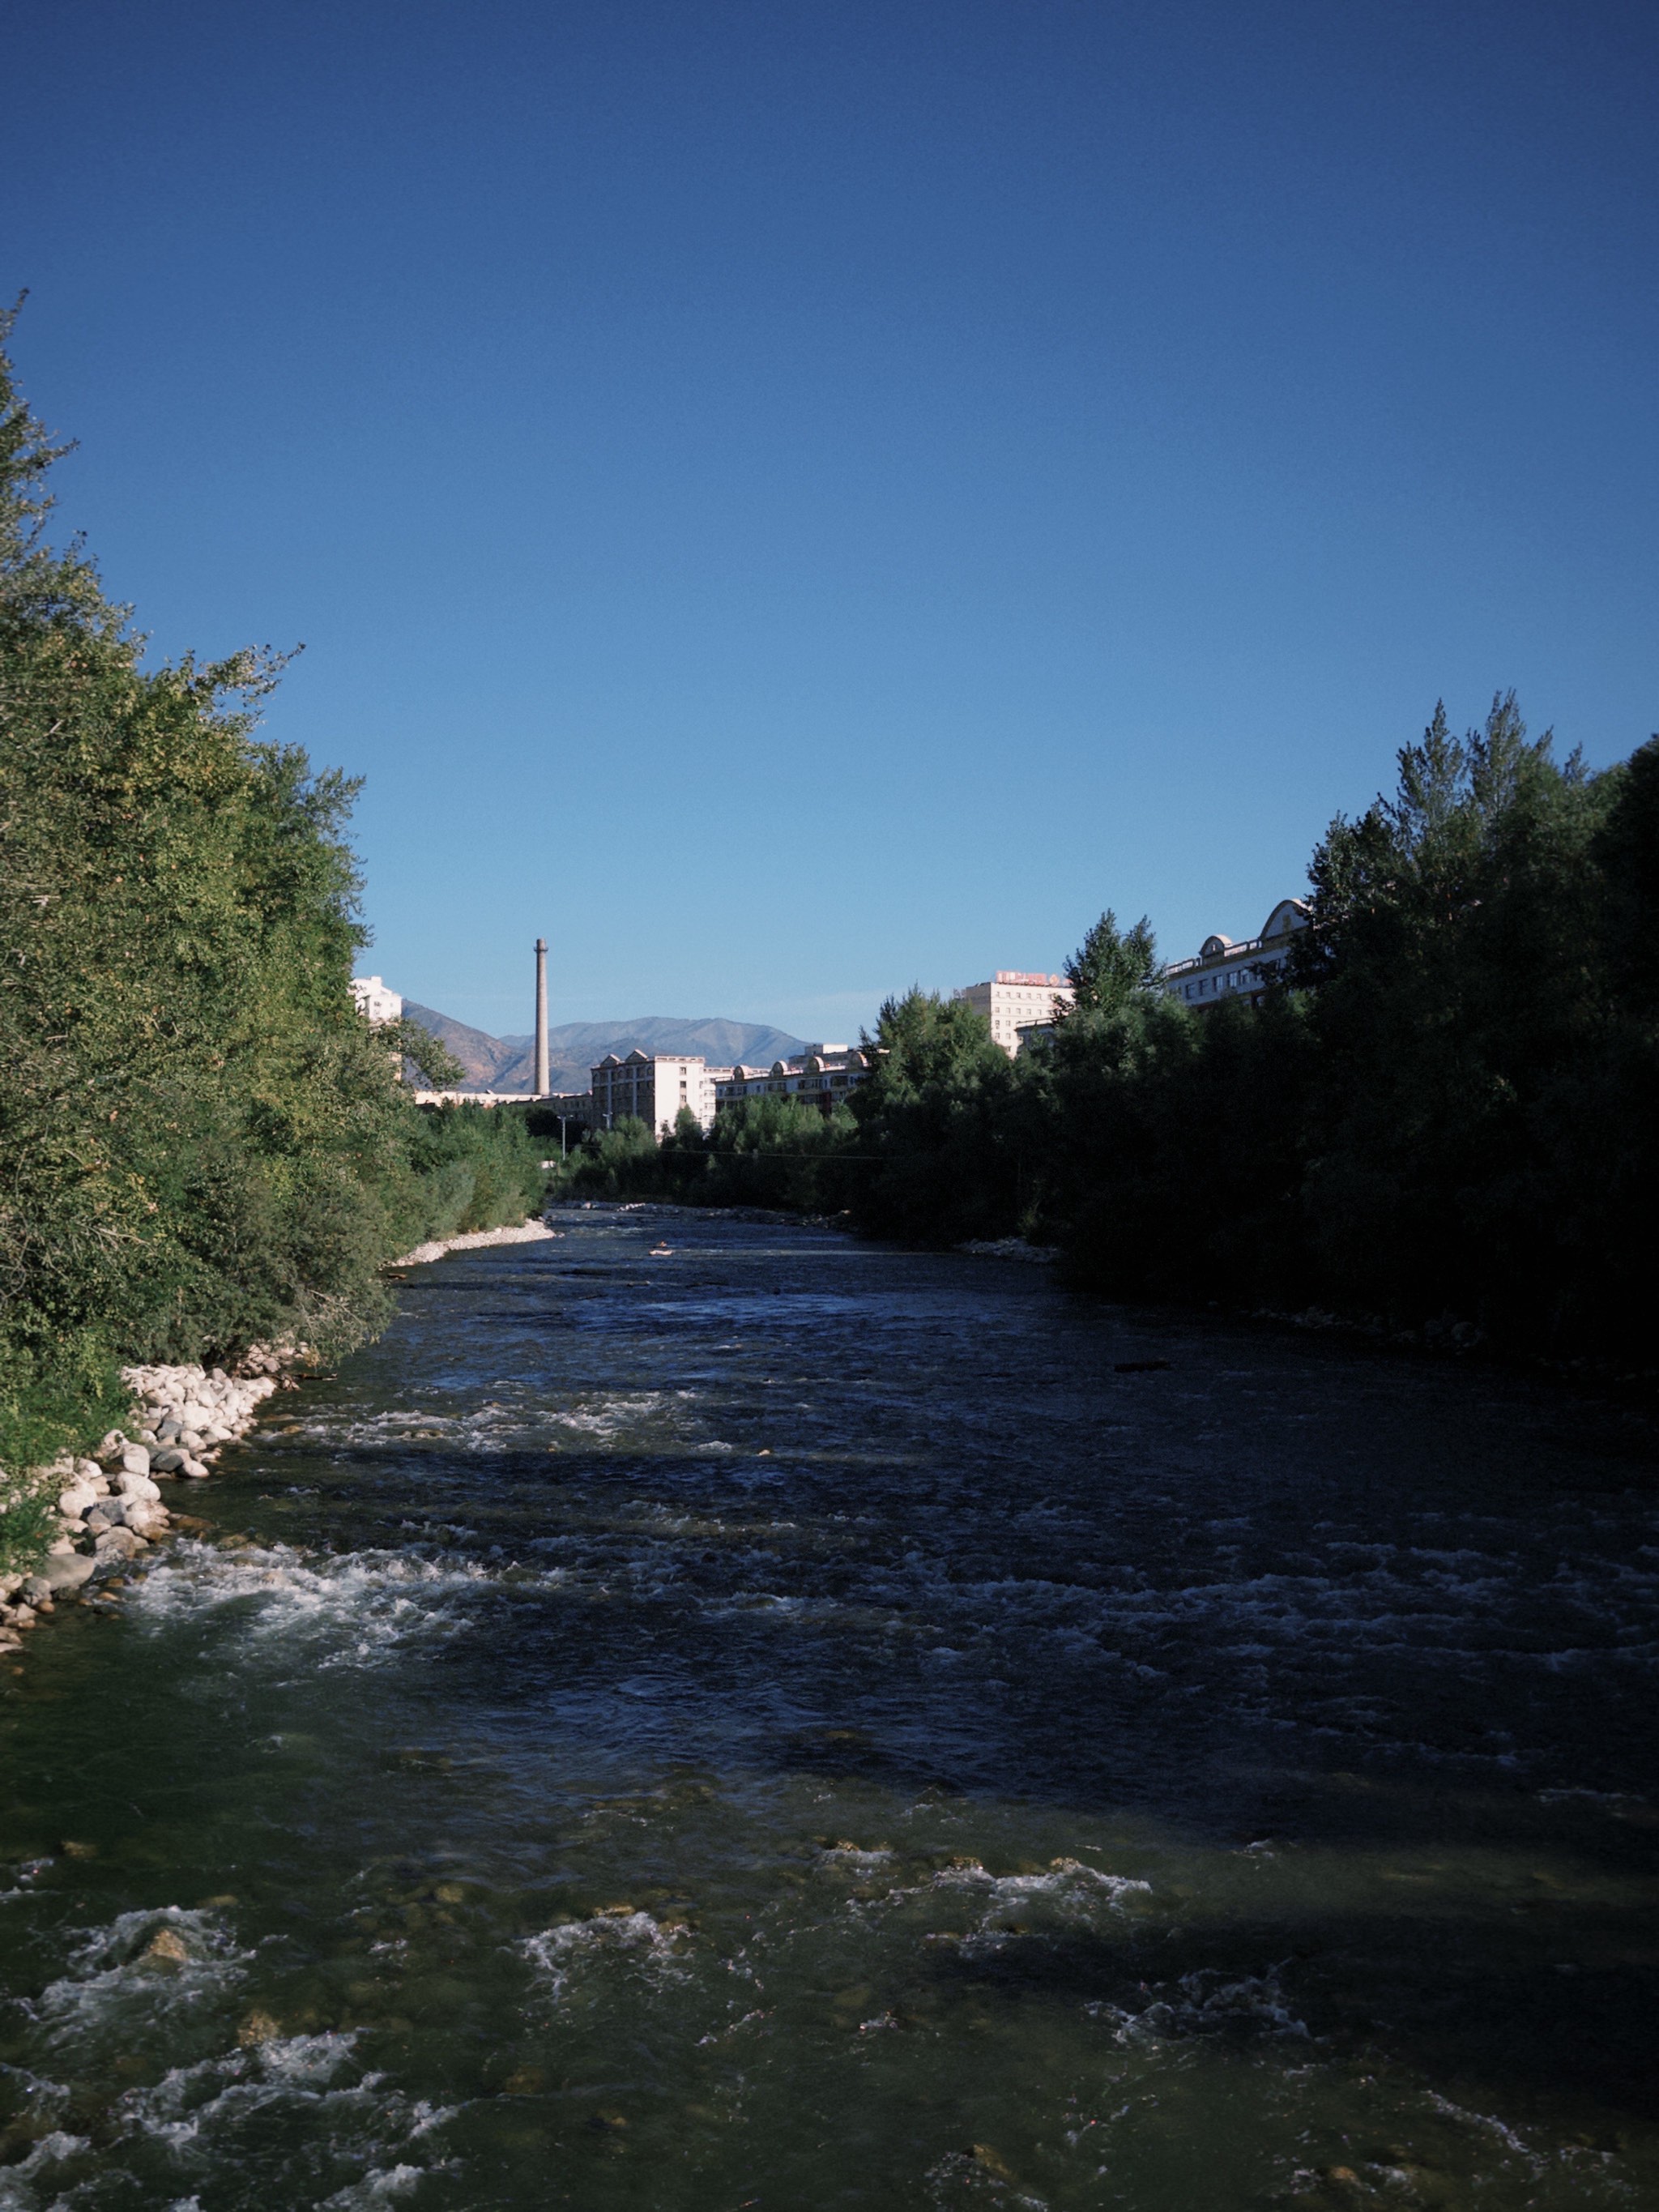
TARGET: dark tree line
(1445,1113)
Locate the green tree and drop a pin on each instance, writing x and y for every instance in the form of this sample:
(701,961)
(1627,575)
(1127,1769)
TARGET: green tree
(933,1123)
(781,1152)
(201,1141)
(625,1161)
(1111,965)
(1458,1004)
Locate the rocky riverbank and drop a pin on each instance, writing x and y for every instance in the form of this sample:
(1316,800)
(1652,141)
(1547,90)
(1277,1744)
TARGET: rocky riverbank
(108,1506)
(520,1232)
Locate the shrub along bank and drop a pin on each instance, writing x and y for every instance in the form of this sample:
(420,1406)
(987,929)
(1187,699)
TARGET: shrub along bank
(1445,1117)
(768,1152)
(201,1143)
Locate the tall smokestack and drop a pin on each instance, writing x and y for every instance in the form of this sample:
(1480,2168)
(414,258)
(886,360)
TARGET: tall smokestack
(543,1085)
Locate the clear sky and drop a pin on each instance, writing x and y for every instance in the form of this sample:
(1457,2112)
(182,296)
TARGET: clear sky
(790,499)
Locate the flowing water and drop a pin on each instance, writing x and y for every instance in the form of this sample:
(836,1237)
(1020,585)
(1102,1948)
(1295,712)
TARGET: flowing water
(791,1724)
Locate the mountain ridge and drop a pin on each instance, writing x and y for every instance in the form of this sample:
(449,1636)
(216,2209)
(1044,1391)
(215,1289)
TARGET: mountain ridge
(491,1063)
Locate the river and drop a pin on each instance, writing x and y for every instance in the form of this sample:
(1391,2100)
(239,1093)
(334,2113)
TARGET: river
(790,1723)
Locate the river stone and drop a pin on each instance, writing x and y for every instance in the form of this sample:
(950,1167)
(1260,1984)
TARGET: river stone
(120,1543)
(167,1461)
(194,1470)
(67,1570)
(135,1459)
(136,1485)
(77,1500)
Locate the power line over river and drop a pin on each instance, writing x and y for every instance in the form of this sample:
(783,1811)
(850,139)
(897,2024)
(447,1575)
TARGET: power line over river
(709,1714)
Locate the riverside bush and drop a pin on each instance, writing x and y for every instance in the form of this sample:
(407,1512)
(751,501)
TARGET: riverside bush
(202,1142)
(472,1167)
(27,1519)
(777,1152)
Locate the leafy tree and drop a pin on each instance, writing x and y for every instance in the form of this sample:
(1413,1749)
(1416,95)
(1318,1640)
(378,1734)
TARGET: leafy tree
(784,1152)
(1459,1002)
(201,1140)
(624,1161)
(1110,966)
(470,1167)
(423,1058)
(1627,859)
(933,1123)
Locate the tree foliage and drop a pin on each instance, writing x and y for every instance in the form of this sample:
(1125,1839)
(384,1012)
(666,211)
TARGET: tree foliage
(769,1150)
(933,1123)
(1110,966)
(1476,1042)
(1450,1114)
(201,1140)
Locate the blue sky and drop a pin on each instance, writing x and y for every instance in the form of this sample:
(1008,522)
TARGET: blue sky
(791,500)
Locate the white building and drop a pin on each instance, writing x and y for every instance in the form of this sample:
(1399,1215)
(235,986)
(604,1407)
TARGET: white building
(1222,968)
(1014,999)
(652,1087)
(471,1098)
(823,1074)
(374,1002)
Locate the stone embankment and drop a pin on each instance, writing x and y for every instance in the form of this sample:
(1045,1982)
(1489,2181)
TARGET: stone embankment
(520,1232)
(109,1505)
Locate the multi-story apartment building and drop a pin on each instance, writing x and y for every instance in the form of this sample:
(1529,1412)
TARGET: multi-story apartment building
(1222,968)
(823,1074)
(374,1002)
(652,1087)
(1014,999)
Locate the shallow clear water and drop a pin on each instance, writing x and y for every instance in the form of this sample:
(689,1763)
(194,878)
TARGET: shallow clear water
(790,1724)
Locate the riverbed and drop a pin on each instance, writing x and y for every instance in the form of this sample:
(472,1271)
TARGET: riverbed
(711,1715)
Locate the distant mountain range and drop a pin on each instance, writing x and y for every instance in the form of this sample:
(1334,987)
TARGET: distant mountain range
(508,1063)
